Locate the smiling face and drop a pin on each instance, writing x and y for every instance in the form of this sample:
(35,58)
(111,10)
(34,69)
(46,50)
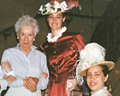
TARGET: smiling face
(55,21)
(26,36)
(95,78)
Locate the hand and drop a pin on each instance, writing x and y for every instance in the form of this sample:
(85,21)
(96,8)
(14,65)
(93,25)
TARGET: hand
(30,83)
(9,79)
(44,75)
(6,66)
(74,84)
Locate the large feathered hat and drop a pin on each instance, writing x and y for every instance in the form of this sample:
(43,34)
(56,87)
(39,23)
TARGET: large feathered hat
(58,6)
(93,54)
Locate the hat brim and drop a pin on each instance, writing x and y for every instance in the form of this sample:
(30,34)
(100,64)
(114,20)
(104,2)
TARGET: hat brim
(109,64)
(56,12)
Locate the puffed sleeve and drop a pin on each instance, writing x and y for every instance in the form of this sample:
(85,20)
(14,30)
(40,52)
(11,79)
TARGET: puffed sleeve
(79,42)
(79,45)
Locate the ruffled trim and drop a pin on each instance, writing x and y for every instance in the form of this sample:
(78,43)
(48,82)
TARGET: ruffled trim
(80,79)
(101,92)
(54,39)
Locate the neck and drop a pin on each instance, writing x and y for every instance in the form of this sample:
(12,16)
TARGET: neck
(55,32)
(25,50)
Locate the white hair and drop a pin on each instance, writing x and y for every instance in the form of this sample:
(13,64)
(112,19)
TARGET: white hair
(24,21)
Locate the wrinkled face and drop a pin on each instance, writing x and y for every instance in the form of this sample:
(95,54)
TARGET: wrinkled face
(96,78)
(55,21)
(26,36)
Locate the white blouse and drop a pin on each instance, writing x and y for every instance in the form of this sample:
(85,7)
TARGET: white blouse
(101,92)
(23,66)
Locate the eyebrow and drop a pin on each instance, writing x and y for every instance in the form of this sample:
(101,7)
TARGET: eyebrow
(94,72)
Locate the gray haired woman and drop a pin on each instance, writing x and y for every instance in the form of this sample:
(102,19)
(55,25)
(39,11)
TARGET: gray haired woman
(28,64)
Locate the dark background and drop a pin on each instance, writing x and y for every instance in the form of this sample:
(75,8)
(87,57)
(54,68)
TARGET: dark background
(98,21)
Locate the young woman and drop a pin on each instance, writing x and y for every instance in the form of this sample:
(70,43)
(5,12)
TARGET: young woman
(61,49)
(95,68)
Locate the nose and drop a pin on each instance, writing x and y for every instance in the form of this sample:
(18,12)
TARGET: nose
(54,19)
(26,38)
(92,77)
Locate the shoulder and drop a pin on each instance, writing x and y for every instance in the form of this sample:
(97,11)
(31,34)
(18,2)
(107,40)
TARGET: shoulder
(106,93)
(73,34)
(41,54)
(9,50)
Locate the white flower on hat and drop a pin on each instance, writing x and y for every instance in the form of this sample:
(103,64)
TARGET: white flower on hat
(56,7)
(44,9)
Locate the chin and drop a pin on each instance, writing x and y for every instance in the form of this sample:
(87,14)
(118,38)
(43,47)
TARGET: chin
(93,89)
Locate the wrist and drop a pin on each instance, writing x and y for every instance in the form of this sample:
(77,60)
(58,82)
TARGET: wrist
(10,73)
(9,70)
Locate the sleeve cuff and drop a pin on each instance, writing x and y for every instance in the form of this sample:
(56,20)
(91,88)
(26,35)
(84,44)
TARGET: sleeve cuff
(11,73)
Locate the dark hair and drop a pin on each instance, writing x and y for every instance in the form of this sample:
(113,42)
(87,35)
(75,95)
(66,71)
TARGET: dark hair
(65,14)
(104,69)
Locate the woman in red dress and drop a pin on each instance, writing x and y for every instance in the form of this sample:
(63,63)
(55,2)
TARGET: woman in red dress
(61,49)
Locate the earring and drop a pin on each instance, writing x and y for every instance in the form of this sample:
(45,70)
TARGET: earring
(33,39)
(17,37)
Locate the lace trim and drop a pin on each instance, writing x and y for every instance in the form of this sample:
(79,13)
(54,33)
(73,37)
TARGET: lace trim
(54,39)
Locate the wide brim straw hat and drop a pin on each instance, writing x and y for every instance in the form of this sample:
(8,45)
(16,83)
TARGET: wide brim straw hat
(92,55)
(109,64)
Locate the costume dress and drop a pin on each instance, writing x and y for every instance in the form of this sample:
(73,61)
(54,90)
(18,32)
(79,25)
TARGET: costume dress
(23,66)
(62,54)
(101,92)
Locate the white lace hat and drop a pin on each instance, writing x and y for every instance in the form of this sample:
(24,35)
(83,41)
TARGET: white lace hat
(93,54)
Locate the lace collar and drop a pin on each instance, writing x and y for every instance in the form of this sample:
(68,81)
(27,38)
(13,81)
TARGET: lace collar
(54,39)
(100,92)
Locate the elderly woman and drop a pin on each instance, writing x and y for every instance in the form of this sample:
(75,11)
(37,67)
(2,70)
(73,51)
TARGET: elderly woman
(61,49)
(95,68)
(27,63)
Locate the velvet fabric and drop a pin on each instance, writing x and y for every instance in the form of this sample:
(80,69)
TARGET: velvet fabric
(62,56)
